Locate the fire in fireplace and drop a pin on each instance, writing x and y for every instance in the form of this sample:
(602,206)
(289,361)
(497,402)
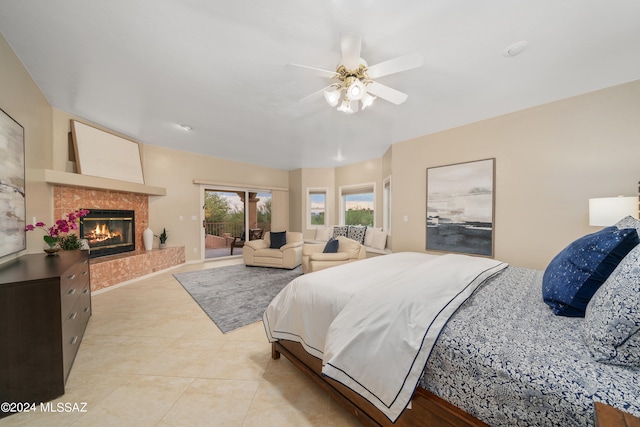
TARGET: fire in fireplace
(108,231)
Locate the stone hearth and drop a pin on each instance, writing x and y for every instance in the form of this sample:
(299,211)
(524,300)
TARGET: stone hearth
(113,269)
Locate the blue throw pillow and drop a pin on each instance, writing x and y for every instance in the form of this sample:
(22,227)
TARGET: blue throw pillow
(278,239)
(576,273)
(331,247)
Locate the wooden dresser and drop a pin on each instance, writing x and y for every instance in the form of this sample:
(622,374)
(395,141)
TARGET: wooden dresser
(45,304)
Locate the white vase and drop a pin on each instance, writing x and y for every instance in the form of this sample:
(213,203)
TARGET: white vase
(147,238)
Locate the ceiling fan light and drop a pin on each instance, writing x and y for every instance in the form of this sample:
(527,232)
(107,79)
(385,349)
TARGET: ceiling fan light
(356,90)
(367,100)
(345,107)
(332,97)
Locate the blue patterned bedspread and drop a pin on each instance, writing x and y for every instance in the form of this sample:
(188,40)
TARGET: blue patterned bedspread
(507,360)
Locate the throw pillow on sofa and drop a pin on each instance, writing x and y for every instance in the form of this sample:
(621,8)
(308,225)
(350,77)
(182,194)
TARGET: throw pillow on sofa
(357,232)
(368,235)
(278,239)
(323,234)
(331,247)
(340,230)
(379,240)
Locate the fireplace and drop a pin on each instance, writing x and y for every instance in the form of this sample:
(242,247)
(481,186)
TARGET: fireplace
(108,231)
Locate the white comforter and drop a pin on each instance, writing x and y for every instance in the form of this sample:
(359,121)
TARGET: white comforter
(373,322)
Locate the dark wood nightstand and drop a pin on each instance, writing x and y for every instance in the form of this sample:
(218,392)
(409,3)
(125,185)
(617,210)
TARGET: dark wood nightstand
(607,416)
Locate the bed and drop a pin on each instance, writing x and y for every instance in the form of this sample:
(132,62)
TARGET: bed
(500,357)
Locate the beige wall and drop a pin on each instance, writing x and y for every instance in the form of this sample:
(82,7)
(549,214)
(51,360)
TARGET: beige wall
(295,200)
(549,161)
(165,168)
(22,100)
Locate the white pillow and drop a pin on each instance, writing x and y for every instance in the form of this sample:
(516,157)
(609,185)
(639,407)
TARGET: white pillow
(323,234)
(379,240)
(368,235)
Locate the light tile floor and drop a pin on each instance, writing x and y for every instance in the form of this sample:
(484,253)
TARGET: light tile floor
(152,357)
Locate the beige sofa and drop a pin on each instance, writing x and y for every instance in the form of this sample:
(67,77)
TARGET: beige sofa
(259,253)
(314,260)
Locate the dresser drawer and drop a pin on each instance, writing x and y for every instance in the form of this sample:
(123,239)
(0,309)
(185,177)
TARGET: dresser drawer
(78,286)
(73,326)
(78,273)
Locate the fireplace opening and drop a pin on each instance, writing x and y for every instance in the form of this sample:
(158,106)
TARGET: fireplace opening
(108,231)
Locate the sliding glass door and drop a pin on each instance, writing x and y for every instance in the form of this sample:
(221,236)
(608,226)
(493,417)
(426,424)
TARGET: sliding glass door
(232,217)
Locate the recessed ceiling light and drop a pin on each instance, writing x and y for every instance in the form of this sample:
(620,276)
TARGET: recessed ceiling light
(186,128)
(516,48)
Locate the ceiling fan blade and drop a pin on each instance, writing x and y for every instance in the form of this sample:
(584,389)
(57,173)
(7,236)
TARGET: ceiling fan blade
(385,92)
(317,94)
(401,63)
(318,71)
(350,45)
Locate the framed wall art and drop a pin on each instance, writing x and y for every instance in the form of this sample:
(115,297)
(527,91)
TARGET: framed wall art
(12,186)
(460,208)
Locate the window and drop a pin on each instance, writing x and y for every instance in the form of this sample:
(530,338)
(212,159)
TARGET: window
(386,201)
(357,205)
(316,207)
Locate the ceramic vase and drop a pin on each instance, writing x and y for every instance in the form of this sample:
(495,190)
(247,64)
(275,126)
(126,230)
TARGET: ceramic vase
(147,238)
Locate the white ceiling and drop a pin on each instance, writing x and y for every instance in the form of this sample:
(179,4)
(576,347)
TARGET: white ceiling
(142,67)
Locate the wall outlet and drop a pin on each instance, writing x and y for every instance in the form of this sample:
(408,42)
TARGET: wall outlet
(195,250)
(193,218)
(406,218)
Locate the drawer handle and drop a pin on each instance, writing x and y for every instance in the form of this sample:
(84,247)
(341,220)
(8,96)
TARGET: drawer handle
(84,273)
(74,340)
(73,276)
(85,261)
(73,316)
(86,309)
(72,291)
(85,291)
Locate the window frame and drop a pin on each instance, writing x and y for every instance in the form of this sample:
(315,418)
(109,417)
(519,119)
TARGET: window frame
(310,192)
(369,187)
(387,206)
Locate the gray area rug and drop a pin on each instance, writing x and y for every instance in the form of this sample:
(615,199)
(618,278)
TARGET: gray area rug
(236,295)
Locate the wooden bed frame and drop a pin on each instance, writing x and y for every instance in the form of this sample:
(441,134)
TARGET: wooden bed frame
(427,408)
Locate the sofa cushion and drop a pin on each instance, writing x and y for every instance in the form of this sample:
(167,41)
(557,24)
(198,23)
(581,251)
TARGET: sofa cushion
(357,232)
(349,246)
(340,230)
(368,235)
(331,247)
(278,239)
(338,256)
(379,240)
(268,253)
(576,273)
(323,234)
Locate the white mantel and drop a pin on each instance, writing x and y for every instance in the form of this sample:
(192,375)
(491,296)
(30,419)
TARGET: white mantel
(87,181)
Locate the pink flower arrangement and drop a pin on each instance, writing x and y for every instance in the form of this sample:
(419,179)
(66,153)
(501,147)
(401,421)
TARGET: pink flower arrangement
(60,226)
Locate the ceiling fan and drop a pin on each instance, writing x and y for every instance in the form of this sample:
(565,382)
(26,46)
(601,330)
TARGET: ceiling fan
(355,83)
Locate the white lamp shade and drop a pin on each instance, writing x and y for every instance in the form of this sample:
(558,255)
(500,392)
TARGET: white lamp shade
(607,211)
(356,91)
(332,97)
(367,100)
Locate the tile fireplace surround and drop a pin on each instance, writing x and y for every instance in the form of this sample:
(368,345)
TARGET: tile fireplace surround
(113,269)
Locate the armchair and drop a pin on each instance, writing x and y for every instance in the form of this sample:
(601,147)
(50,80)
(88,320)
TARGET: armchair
(313,259)
(259,252)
